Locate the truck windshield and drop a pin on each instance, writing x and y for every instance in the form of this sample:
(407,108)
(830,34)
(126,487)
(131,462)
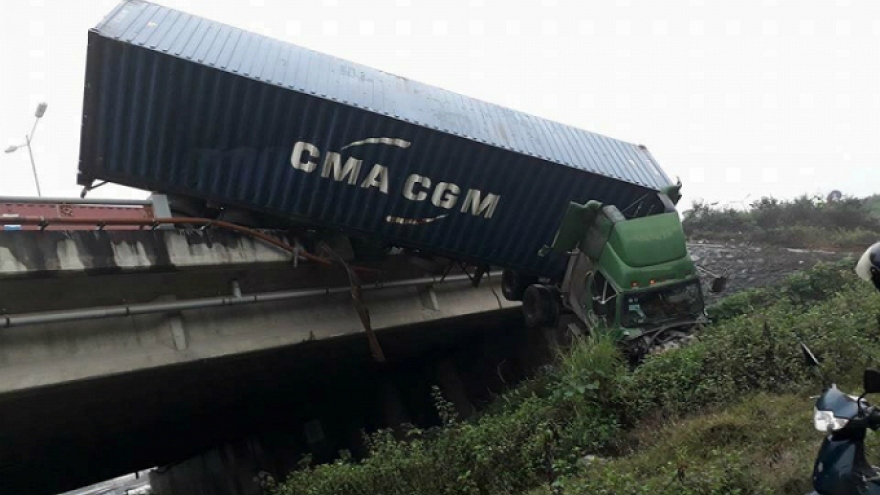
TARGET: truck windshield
(663,304)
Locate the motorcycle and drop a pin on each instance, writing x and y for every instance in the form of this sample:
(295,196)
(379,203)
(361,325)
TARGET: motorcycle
(841,467)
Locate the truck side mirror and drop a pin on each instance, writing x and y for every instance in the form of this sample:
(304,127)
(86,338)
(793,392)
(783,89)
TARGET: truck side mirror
(719,282)
(673,192)
(871,381)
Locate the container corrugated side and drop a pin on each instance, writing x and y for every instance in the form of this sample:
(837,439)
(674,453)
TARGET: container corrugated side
(226,132)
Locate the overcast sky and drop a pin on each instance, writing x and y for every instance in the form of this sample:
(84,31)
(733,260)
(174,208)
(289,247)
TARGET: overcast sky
(740,98)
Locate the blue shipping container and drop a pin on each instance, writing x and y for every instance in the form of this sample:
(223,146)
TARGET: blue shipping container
(182,105)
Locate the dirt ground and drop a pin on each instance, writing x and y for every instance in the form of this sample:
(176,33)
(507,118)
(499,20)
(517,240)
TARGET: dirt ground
(748,266)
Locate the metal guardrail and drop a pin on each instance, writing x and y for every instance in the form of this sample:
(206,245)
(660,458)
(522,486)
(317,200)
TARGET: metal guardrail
(236,299)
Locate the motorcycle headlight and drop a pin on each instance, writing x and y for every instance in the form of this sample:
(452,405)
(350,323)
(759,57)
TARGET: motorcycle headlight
(825,421)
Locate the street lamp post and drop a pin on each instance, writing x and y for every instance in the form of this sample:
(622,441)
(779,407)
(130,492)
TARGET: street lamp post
(41,110)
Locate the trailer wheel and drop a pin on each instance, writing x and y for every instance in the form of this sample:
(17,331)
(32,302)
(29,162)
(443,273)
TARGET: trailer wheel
(183,206)
(514,284)
(540,306)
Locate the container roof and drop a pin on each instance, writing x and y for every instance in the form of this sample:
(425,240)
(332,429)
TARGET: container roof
(264,59)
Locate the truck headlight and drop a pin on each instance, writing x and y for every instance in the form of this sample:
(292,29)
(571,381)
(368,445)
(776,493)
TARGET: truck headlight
(826,422)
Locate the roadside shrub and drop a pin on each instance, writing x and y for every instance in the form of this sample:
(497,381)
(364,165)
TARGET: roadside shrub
(858,237)
(872,203)
(541,435)
(846,213)
(747,301)
(753,352)
(672,383)
(805,221)
(498,454)
(810,236)
(704,218)
(819,283)
(537,438)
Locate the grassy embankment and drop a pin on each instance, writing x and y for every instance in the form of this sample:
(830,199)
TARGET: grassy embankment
(728,414)
(804,222)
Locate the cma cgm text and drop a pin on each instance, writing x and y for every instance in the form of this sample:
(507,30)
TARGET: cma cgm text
(350,170)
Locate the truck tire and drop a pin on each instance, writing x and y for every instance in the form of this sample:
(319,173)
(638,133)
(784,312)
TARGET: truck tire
(514,284)
(540,306)
(184,206)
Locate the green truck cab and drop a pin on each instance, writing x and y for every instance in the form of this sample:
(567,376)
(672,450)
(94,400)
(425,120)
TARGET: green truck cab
(631,277)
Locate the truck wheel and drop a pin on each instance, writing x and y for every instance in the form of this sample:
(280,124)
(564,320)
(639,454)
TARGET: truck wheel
(514,284)
(540,306)
(183,206)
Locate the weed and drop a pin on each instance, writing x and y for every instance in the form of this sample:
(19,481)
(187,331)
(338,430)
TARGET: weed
(726,414)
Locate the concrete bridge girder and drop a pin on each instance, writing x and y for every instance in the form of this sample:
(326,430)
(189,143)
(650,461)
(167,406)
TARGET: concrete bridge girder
(56,373)
(40,355)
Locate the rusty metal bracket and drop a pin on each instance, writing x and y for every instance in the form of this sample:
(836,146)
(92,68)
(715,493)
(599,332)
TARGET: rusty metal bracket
(479,272)
(357,300)
(477,277)
(446,272)
(86,189)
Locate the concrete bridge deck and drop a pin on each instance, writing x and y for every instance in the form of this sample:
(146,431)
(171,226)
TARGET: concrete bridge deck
(112,342)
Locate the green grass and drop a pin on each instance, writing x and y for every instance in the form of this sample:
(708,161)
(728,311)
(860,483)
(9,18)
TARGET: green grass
(727,414)
(798,290)
(762,444)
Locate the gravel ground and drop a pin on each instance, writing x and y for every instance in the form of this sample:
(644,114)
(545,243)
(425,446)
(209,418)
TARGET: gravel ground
(748,266)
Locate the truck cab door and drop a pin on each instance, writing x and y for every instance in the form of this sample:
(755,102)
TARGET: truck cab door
(575,284)
(585,303)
